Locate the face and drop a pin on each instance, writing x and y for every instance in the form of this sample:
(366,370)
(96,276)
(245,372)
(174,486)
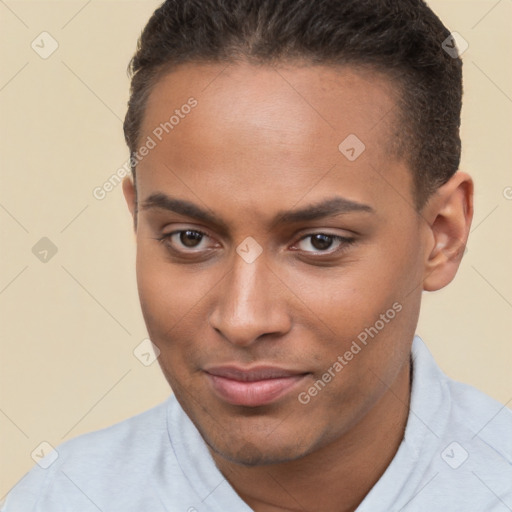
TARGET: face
(279,275)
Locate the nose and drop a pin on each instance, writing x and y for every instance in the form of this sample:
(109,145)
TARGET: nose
(249,304)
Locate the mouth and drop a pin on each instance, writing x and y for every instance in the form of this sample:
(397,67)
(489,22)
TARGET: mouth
(252,387)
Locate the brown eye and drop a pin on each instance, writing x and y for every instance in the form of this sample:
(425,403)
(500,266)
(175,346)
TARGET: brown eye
(190,238)
(321,242)
(187,241)
(318,244)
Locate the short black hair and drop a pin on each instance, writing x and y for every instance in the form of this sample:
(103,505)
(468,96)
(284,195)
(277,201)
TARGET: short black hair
(400,38)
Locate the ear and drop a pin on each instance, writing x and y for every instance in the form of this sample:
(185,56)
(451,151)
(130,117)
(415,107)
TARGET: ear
(448,214)
(130,195)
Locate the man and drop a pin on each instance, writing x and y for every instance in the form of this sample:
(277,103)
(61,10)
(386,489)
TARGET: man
(295,190)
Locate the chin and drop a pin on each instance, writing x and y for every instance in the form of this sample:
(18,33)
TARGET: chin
(250,440)
(251,454)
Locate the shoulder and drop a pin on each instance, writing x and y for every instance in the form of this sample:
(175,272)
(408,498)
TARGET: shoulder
(458,443)
(488,420)
(125,448)
(472,465)
(474,456)
(126,435)
(457,410)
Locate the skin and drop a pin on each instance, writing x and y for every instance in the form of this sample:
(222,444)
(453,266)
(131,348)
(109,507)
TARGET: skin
(261,141)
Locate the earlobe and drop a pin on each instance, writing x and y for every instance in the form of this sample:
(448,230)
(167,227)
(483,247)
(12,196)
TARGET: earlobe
(130,195)
(451,212)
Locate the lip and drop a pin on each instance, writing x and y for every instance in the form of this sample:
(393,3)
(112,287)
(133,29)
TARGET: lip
(252,387)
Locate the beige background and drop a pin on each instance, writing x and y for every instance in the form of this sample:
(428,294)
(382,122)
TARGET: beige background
(69,326)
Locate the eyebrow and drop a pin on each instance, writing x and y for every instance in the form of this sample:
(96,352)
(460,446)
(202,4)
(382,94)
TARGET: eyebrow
(182,207)
(327,208)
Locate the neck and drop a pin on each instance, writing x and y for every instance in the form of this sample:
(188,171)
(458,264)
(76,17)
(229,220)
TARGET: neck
(337,477)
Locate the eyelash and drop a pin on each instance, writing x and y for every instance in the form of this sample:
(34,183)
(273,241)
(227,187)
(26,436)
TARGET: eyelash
(344,242)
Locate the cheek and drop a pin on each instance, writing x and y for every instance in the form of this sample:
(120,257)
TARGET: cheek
(165,294)
(174,301)
(344,300)
(167,290)
(368,301)
(158,291)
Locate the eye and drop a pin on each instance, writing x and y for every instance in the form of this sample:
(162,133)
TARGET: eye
(323,243)
(187,240)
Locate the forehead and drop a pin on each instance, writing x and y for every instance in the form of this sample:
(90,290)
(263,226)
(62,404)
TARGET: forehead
(290,101)
(271,132)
